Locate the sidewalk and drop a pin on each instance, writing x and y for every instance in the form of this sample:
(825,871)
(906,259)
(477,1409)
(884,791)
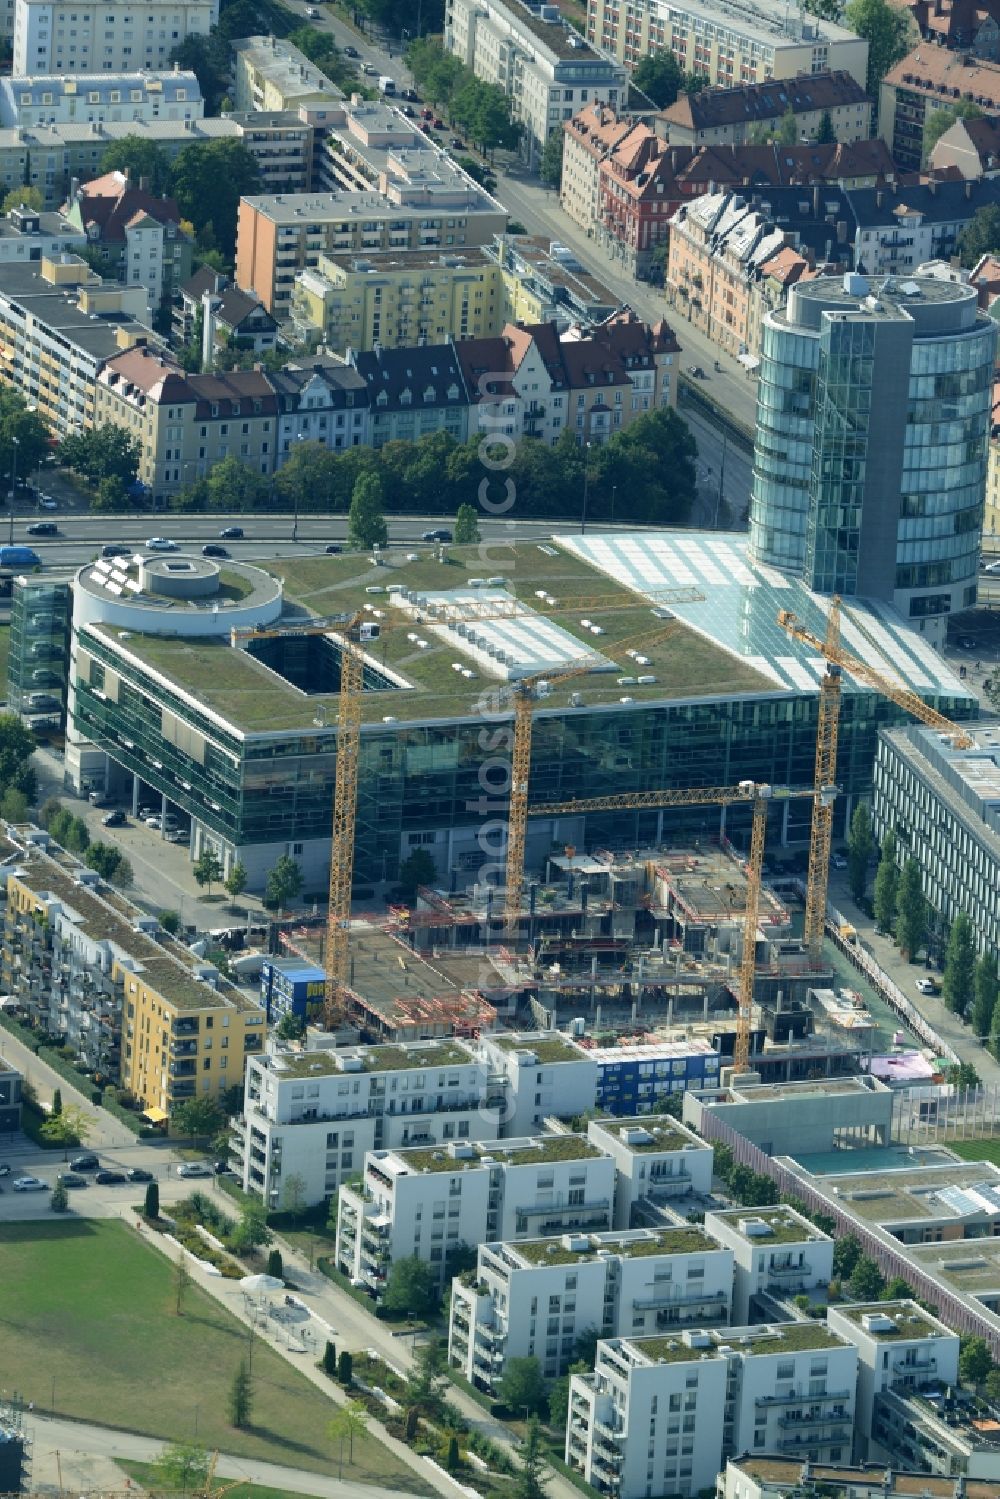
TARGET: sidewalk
(106,1130)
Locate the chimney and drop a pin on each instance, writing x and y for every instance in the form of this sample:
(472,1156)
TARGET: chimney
(879,198)
(968,188)
(841,231)
(74,189)
(816,191)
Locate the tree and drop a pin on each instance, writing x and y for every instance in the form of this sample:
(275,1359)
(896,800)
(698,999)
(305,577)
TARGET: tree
(182,1279)
(14,806)
(208,58)
(139,159)
(975,1361)
(559,1395)
(236,881)
(897,1289)
(345,1369)
(550,164)
(16,746)
(585,1347)
(108,861)
(69,1127)
(151,1205)
(416,870)
(825,133)
(366,525)
(660,77)
(23,197)
(283,883)
(59,1198)
(207,868)
(170,921)
(888,32)
(937,121)
(522,1386)
(290,1027)
(56,1102)
(196,1118)
(350,1421)
(866,1280)
(986,990)
(959,983)
(182,1467)
(293,1196)
(827,10)
(981,236)
(275,1265)
(466,531)
(208,180)
(962,1075)
(233,485)
(452,1455)
(911,911)
(241,1397)
(846,1254)
(860,846)
(886,885)
(786,132)
(427,1382)
(330,1359)
(251,1231)
(995,1031)
(102,452)
(412,1286)
(531,1477)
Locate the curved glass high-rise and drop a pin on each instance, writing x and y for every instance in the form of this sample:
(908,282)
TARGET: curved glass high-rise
(873,417)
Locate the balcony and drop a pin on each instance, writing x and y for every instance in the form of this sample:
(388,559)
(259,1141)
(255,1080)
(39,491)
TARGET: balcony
(834,1395)
(793,1422)
(668,1298)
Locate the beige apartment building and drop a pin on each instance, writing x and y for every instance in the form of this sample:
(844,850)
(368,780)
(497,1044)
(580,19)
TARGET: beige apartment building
(282,234)
(717,243)
(729,42)
(273,75)
(398,299)
(187,423)
(588,138)
(727,116)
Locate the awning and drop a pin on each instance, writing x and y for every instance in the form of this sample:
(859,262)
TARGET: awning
(748,361)
(156,1116)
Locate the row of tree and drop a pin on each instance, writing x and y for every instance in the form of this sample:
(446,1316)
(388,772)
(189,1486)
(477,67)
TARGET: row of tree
(645,473)
(480,110)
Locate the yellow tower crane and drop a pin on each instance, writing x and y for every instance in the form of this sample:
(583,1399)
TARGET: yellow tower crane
(760,795)
(821,835)
(352,631)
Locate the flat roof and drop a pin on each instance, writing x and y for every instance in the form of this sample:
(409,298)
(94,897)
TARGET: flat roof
(785,1226)
(784,1337)
(662,1133)
(947,1191)
(400,1058)
(769,20)
(970,1266)
(908,1320)
(546,1047)
(538,1149)
(636,1243)
(786,1473)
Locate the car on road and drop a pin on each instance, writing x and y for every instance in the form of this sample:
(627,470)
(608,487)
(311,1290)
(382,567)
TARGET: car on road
(4,1169)
(189,1169)
(456,144)
(427,114)
(115,549)
(838,861)
(369,69)
(29,1184)
(410,95)
(437,123)
(334,549)
(162,544)
(967,642)
(43,528)
(223,1168)
(992,567)
(927,986)
(111,1178)
(351,52)
(115,819)
(408,111)
(213,549)
(85,1162)
(139,1174)
(231,533)
(71,1179)
(312,12)
(441,534)
(46,502)
(697,372)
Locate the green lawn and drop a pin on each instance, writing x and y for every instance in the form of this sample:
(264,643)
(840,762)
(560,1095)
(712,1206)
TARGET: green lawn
(146,1476)
(87,1304)
(976,1150)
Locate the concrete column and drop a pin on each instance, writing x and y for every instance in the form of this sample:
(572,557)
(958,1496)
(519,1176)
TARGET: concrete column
(163,811)
(135,794)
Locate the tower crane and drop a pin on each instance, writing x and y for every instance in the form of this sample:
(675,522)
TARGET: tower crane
(821,833)
(352,631)
(759,795)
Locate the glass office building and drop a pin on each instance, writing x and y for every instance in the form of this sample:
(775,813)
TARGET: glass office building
(873,425)
(39,650)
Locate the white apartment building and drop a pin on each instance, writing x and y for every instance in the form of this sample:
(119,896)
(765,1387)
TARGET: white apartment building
(901,1348)
(428,1202)
(97,98)
(727,42)
(104,36)
(537,1297)
(776,1251)
(656,1159)
(546,1076)
(316,1114)
(547,70)
(659,1415)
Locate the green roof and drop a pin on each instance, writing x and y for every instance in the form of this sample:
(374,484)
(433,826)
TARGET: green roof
(786,1337)
(373,1059)
(255,699)
(670,1350)
(785,1228)
(545,1148)
(666,1133)
(910,1321)
(547,1048)
(552,1251)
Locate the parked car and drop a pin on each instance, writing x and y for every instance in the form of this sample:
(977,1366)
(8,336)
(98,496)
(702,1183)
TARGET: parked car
(409,111)
(967,642)
(334,549)
(70,1179)
(115,549)
(214,550)
(85,1162)
(152,820)
(4,1169)
(189,1169)
(111,1178)
(29,1184)
(441,534)
(370,70)
(927,986)
(351,52)
(43,528)
(231,533)
(427,114)
(312,12)
(437,123)
(46,502)
(223,1168)
(139,1174)
(162,544)
(411,95)
(115,819)
(456,144)
(838,861)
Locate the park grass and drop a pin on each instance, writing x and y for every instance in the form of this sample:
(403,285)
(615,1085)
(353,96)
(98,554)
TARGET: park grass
(87,1310)
(148,1478)
(976,1150)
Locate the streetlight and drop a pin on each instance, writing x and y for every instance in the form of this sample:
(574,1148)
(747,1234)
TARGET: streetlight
(586,486)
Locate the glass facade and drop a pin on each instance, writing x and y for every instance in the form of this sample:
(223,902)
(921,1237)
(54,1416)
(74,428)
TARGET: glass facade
(783,452)
(842,424)
(39,651)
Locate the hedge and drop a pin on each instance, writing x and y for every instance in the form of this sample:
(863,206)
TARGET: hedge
(77,1080)
(32,1119)
(24,1033)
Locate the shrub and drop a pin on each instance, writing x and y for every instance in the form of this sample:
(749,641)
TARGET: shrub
(345,1369)
(330,1360)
